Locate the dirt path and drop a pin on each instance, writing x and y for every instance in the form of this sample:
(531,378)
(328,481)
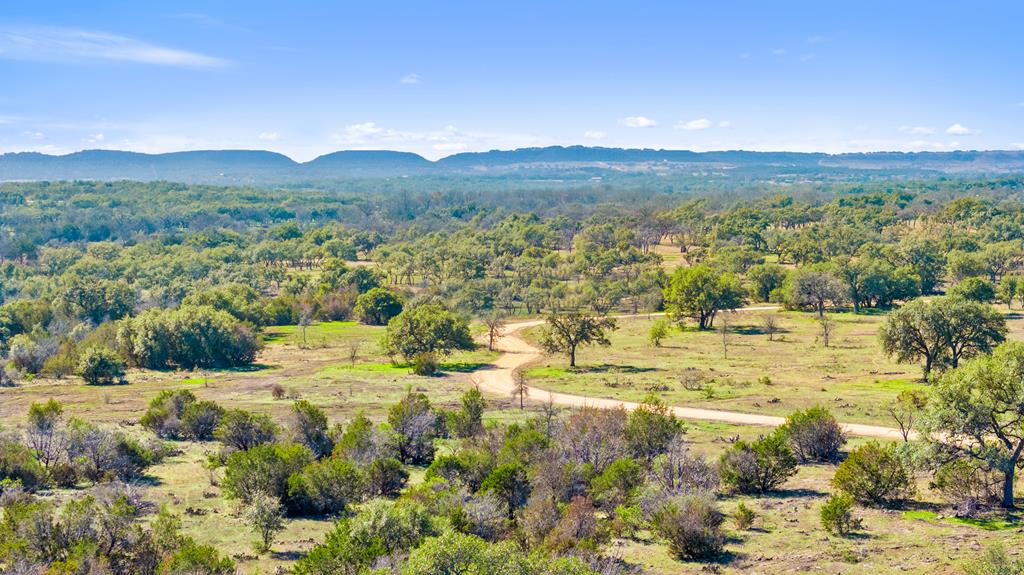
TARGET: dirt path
(517,353)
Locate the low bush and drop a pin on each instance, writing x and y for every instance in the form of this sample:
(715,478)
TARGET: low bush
(875,475)
(758,467)
(837,515)
(692,526)
(814,434)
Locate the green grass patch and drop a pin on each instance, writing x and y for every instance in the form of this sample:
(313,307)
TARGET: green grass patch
(989,523)
(325,331)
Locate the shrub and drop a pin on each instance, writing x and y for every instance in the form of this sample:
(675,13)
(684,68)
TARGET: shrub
(658,332)
(309,427)
(875,475)
(193,558)
(837,515)
(650,428)
(814,434)
(200,419)
(324,488)
(760,466)
(266,516)
(692,526)
(243,430)
(17,464)
(386,477)
(415,422)
(468,420)
(617,483)
(165,412)
(380,528)
(425,364)
(100,366)
(744,517)
(967,485)
(188,337)
(263,469)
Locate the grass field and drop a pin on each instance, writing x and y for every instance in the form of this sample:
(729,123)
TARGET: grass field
(852,377)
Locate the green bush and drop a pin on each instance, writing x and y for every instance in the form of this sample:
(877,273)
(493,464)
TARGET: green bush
(875,475)
(814,434)
(758,467)
(263,469)
(692,526)
(744,516)
(837,515)
(326,487)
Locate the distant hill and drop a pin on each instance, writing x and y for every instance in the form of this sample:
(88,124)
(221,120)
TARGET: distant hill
(263,167)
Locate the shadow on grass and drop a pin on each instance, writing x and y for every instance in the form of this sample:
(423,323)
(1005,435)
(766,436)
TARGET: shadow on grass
(288,555)
(464,366)
(756,330)
(610,368)
(796,493)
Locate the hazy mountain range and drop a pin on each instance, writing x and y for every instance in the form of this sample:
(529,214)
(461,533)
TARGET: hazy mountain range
(263,167)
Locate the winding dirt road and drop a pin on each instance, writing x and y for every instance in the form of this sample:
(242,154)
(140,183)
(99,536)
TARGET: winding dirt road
(517,353)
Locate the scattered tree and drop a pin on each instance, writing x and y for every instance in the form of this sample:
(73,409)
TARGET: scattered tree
(567,332)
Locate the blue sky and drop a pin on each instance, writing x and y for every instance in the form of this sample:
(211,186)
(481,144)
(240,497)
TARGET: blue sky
(306,78)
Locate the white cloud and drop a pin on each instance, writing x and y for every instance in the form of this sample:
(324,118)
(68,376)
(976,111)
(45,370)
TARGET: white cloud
(725,124)
(817,39)
(451,147)
(778,51)
(269,136)
(594,135)
(35,135)
(1018,145)
(411,79)
(699,124)
(924,130)
(959,129)
(51,44)
(638,122)
(96,138)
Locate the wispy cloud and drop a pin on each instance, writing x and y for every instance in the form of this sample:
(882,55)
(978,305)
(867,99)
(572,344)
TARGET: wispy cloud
(49,44)
(699,124)
(411,79)
(960,130)
(725,124)
(778,51)
(594,135)
(921,130)
(95,138)
(638,122)
(269,136)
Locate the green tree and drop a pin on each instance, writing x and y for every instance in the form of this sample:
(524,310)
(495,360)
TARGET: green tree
(977,412)
(766,279)
(101,366)
(426,329)
(941,331)
(974,289)
(700,292)
(377,306)
(565,333)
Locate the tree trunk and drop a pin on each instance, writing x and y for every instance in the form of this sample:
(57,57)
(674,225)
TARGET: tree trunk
(1008,488)
(572,356)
